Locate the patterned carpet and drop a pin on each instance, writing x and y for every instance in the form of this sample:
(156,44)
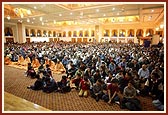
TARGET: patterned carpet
(16,83)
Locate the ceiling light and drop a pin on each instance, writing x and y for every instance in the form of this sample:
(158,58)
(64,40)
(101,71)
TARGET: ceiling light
(34,18)
(157,29)
(28,12)
(32,22)
(71,13)
(161,26)
(97,10)
(104,14)
(35,7)
(60,14)
(8,17)
(113,9)
(152,10)
(42,23)
(117,13)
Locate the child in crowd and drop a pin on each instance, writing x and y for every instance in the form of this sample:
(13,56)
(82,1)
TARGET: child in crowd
(84,87)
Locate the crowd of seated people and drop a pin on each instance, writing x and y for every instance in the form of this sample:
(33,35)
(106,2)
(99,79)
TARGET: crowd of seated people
(131,68)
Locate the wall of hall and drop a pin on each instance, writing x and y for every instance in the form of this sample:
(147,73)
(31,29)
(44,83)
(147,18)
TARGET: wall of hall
(115,32)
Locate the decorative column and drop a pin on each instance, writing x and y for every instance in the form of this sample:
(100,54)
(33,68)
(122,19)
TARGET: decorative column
(20,32)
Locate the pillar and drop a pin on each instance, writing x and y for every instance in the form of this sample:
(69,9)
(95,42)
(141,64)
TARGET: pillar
(21,34)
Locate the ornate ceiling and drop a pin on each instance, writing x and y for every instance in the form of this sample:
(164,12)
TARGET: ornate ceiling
(72,14)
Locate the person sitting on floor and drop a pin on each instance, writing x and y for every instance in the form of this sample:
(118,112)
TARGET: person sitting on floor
(41,68)
(38,83)
(7,60)
(64,85)
(26,61)
(112,92)
(77,80)
(49,84)
(84,87)
(48,70)
(20,60)
(97,90)
(129,100)
(59,67)
(35,62)
(30,71)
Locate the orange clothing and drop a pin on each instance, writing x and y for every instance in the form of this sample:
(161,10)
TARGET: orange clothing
(7,60)
(20,60)
(35,63)
(59,68)
(52,65)
(26,61)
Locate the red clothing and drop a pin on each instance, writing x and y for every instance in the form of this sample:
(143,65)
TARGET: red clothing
(84,85)
(112,88)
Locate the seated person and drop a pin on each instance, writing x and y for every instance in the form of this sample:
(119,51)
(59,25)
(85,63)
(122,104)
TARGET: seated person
(38,83)
(64,85)
(35,62)
(59,67)
(97,90)
(41,68)
(26,61)
(71,72)
(112,92)
(129,100)
(48,70)
(77,80)
(30,71)
(49,85)
(46,61)
(20,60)
(52,64)
(7,60)
(84,87)
(159,102)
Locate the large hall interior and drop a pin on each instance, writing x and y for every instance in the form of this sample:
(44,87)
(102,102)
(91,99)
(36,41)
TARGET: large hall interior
(83,57)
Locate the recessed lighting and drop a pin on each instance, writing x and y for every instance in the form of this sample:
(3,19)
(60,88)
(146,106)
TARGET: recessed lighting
(152,10)
(97,10)
(71,13)
(35,7)
(60,14)
(28,12)
(32,22)
(104,14)
(34,18)
(113,9)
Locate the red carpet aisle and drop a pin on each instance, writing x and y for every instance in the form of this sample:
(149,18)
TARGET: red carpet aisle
(16,83)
